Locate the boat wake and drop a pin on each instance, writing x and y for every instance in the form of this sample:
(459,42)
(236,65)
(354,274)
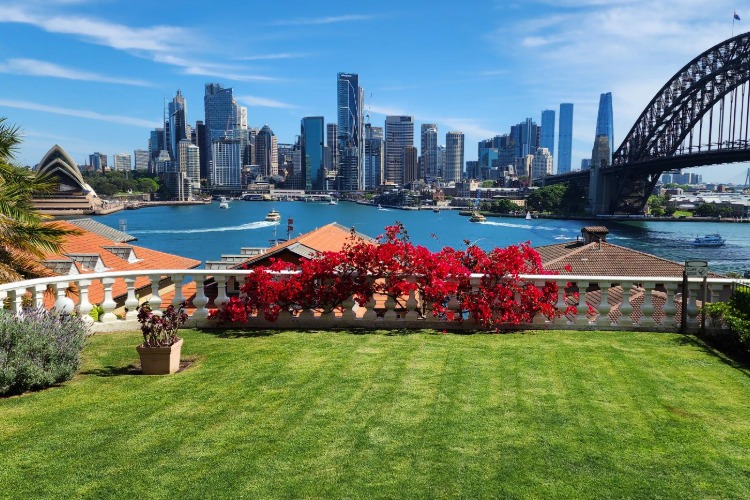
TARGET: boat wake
(243,227)
(521,226)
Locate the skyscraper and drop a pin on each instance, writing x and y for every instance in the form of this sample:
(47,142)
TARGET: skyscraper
(410,164)
(219,107)
(548,131)
(565,138)
(332,142)
(399,133)
(541,164)
(141,157)
(177,124)
(266,152)
(454,156)
(311,142)
(350,129)
(525,137)
(227,168)
(605,122)
(374,156)
(428,145)
(122,162)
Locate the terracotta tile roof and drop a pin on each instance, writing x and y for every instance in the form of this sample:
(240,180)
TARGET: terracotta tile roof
(605,259)
(92,243)
(102,230)
(329,238)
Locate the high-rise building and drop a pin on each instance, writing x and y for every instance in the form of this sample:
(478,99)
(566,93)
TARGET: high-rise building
(142,158)
(350,97)
(565,138)
(178,126)
(399,133)
(201,141)
(190,164)
(428,145)
(311,142)
(332,143)
(266,152)
(605,122)
(220,113)
(95,162)
(548,131)
(410,164)
(374,156)
(227,167)
(541,164)
(441,161)
(525,137)
(122,162)
(454,156)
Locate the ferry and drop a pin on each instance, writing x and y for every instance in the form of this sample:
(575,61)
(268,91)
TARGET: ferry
(477,217)
(709,240)
(273,216)
(223,203)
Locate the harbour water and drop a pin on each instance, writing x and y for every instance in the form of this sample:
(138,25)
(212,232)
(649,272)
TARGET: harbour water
(205,232)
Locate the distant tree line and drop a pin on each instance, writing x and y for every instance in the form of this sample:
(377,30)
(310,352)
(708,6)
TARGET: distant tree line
(559,199)
(116,181)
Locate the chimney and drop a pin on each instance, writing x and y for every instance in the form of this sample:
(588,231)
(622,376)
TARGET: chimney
(592,234)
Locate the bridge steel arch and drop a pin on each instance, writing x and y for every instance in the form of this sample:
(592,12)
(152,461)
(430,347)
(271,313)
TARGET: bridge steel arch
(701,116)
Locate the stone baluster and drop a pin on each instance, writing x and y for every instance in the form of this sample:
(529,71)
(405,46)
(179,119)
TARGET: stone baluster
(539,318)
(84,306)
(200,300)
(179,297)
(561,305)
(625,308)
(670,309)
(155,300)
(131,301)
(221,292)
(39,295)
(16,297)
(647,309)
(390,309)
(692,304)
(582,309)
(347,310)
(411,304)
(603,308)
(108,304)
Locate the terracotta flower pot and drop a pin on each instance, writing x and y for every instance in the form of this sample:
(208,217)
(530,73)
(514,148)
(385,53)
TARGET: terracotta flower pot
(160,360)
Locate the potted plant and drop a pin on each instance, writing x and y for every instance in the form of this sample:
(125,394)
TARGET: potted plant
(160,350)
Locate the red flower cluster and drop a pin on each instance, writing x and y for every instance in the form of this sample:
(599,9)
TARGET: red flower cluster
(395,268)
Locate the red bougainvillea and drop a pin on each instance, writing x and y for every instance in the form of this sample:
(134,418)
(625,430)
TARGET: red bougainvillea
(495,296)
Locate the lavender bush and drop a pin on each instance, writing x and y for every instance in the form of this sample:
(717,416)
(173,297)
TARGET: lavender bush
(39,349)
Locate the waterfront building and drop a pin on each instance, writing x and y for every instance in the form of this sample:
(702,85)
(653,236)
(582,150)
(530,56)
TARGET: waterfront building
(410,164)
(350,101)
(71,194)
(454,156)
(605,122)
(548,131)
(227,164)
(189,155)
(374,156)
(399,133)
(428,145)
(122,162)
(266,152)
(526,137)
(541,164)
(311,150)
(565,138)
(177,129)
(142,158)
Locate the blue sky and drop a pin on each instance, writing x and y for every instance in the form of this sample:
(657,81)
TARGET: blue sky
(92,75)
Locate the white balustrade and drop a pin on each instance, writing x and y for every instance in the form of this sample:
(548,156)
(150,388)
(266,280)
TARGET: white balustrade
(655,299)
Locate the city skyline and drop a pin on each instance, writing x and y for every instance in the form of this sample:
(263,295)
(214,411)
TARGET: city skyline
(94,76)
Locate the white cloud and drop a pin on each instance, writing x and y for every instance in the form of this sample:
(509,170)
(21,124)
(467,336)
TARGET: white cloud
(322,20)
(271,57)
(263,102)
(78,113)
(35,67)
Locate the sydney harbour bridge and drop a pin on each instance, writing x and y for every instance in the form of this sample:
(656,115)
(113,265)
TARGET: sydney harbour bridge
(700,117)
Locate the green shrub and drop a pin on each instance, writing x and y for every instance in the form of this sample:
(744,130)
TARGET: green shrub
(733,319)
(38,349)
(97,311)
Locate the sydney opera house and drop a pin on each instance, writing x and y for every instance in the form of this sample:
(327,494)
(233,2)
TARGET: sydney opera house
(72,196)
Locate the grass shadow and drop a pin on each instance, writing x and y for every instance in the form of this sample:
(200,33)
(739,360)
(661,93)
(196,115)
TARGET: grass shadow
(113,371)
(236,333)
(732,357)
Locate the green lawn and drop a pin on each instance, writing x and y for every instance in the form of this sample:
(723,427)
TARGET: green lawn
(556,414)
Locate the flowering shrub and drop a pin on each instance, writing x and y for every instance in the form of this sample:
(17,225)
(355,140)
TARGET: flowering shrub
(161,330)
(39,349)
(395,268)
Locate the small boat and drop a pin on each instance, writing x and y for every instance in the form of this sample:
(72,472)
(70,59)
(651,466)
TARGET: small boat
(273,216)
(436,210)
(223,203)
(380,207)
(709,240)
(528,215)
(477,217)
(333,201)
